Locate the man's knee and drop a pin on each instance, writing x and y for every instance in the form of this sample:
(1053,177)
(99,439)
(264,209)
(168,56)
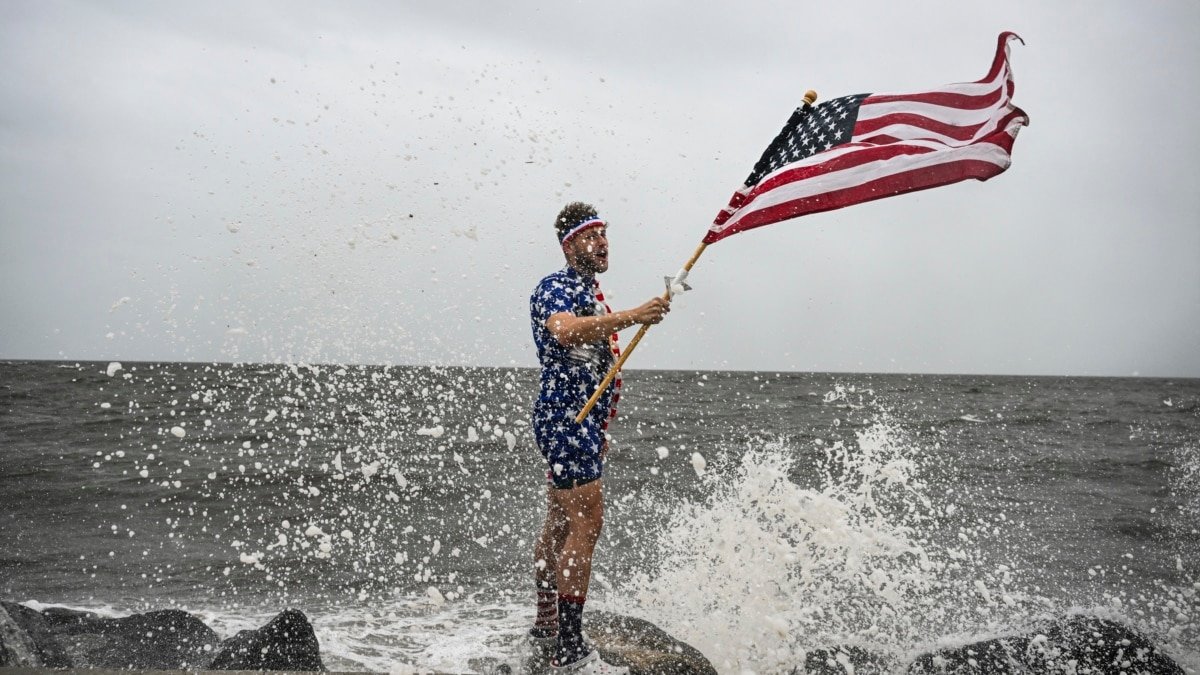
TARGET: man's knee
(593,520)
(589,518)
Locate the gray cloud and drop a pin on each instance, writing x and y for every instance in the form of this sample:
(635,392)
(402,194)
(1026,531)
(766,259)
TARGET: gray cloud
(375,182)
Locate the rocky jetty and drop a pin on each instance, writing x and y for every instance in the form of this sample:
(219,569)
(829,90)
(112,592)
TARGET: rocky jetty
(161,640)
(175,640)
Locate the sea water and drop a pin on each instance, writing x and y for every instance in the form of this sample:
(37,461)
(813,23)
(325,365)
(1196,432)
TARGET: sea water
(756,516)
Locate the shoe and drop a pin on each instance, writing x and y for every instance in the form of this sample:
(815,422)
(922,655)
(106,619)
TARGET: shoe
(590,665)
(542,645)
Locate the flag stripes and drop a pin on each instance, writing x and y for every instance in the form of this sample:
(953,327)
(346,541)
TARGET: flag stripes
(860,148)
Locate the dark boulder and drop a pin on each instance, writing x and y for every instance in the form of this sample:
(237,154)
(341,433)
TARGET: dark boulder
(1100,644)
(288,642)
(169,639)
(644,647)
(621,640)
(161,640)
(26,640)
(1074,644)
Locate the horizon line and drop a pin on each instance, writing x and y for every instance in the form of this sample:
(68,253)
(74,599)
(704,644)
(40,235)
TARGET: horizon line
(326,364)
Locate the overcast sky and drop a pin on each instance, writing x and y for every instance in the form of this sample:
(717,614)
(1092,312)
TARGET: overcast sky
(376,183)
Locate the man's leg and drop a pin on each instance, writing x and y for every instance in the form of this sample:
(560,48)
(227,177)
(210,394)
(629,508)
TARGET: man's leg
(546,551)
(583,508)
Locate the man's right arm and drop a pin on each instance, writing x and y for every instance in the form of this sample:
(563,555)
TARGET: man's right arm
(571,330)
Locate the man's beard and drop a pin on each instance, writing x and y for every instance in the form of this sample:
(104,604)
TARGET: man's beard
(591,263)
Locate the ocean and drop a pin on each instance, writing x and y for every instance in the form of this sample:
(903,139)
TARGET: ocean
(754,515)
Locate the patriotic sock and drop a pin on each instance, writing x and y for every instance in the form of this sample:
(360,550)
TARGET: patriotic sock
(570,630)
(545,624)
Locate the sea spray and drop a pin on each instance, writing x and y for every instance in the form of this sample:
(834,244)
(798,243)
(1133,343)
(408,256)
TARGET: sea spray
(920,528)
(856,541)
(763,569)
(358,459)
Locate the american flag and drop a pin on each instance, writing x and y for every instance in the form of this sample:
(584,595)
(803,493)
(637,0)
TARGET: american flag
(868,146)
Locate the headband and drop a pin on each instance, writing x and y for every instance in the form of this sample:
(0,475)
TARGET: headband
(585,225)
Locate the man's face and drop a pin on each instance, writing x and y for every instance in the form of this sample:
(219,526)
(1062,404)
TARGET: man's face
(587,251)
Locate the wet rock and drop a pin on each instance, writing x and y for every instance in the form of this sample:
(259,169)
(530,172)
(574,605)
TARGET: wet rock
(644,647)
(161,640)
(621,640)
(1075,644)
(288,642)
(26,641)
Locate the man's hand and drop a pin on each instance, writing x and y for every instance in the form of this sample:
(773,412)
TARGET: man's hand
(651,312)
(571,330)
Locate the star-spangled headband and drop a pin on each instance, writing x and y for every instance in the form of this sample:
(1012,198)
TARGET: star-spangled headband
(585,225)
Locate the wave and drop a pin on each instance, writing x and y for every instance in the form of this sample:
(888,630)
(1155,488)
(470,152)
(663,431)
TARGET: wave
(762,571)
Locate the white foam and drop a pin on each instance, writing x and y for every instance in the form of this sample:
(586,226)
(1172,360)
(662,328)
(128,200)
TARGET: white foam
(699,463)
(662,451)
(763,568)
(113,368)
(369,470)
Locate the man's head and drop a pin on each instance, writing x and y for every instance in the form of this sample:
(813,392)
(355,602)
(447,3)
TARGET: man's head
(584,238)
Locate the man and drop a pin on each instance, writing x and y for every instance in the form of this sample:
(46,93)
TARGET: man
(575,334)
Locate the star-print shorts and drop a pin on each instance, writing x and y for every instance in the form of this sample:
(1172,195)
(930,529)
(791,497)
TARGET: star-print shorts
(572,451)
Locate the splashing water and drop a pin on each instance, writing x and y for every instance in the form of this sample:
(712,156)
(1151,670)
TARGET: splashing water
(763,570)
(394,507)
(763,560)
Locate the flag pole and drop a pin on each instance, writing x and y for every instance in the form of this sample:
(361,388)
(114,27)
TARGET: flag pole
(810,97)
(616,368)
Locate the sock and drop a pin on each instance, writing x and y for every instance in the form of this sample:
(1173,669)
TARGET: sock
(570,629)
(545,624)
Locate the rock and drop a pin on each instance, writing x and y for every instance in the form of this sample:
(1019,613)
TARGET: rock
(26,640)
(287,642)
(644,647)
(845,660)
(1100,644)
(161,640)
(621,640)
(1073,644)
(168,639)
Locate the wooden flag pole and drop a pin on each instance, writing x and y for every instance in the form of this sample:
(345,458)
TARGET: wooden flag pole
(810,97)
(612,372)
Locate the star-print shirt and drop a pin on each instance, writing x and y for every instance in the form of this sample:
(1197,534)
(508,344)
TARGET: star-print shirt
(569,374)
